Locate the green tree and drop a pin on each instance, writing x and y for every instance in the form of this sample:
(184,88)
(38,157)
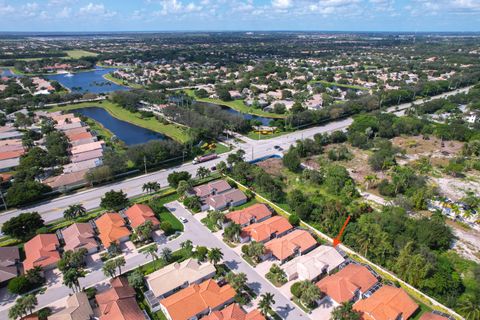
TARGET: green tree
(254,250)
(175,177)
(267,299)
(291,160)
(183,187)
(116,161)
(71,278)
(135,279)
(215,255)
(23,226)
(345,312)
(203,172)
(144,231)
(238,281)
(232,232)
(166,255)
(119,263)
(187,245)
(152,251)
(74,211)
(411,267)
(151,187)
(222,167)
(109,269)
(23,192)
(72,259)
(114,200)
(470,308)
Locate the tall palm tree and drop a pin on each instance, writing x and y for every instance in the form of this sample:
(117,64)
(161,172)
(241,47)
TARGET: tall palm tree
(75,210)
(187,245)
(215,255)
(71,278)
(151,251)
(29,302)
(166,254)
(150,187)
(266,302)
(109,269)
(119,263)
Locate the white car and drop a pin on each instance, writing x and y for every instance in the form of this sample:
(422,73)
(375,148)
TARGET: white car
(184,220)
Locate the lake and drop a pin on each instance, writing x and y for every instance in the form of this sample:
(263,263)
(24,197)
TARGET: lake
(127,132)
(7,73)
(88,81)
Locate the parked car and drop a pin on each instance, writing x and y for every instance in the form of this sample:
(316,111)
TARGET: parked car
(184,220)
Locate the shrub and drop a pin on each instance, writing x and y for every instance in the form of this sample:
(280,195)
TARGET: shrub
(166,227)
(294,220)
(19,285)
(296,289)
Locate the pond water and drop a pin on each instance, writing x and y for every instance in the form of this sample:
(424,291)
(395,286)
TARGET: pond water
(127,132)
(88,81)
(7,73)
(265,121)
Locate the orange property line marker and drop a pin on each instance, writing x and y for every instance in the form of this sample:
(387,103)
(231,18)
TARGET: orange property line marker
(338,238)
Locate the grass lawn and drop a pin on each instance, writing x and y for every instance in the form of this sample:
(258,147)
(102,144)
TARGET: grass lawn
(255,136)
(175,132)
(77,54)
(121,82)
(237,105)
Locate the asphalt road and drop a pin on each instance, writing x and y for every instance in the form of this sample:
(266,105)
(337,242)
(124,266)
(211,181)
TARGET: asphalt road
(56,293)
(53,209)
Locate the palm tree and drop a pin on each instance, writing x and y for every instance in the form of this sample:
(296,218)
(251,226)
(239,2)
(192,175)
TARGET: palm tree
(203,172)
(16,312)
(29,302)
(232,232)
(74,211)
(166,254)
(470,309)
(345,312)
(187,246)
(237,280)
(369,180)
(114,248)
(215,255)
(266,302)
(150,187)
(109,269)
(71,278)
(151,251)
(119,263)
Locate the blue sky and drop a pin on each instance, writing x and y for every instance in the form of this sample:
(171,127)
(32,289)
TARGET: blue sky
(167,15)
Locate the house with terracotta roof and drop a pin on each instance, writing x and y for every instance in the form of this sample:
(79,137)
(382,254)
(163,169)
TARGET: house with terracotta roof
(87,147)
(234,312)
(197,300)
(266,230)
(77,308)
(320,261)
(253,214)
(432,316)
(387,303)
(67,180)
(9,263)
(168,280)
(80,235)
(111,228)
(41,251)
(225,200)
(118,302)
(293,244)
(138,214)
(348,284)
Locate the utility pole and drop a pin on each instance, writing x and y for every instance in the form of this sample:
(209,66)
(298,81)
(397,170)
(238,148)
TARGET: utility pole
(252,152)
(3,199)
(145,163)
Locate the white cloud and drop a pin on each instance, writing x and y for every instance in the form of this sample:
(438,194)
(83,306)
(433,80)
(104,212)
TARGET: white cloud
(93,9)
(64,13)
(281,4)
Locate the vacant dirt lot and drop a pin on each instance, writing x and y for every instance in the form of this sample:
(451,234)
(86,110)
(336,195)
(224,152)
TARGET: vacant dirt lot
(416,147)
(272,166)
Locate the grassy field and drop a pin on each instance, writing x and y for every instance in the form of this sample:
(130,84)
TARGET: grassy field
(170,130)
(237,105)
(77,54)
(121,82)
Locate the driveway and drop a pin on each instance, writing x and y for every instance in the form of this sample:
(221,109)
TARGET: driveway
(283,306)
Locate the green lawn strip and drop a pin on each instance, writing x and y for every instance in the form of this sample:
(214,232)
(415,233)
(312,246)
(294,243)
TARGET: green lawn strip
(221,148)
(77,54)
(170,130)
(301,306)
(255,136)
(332,84)
(207,223)
(237,105)
(121,82)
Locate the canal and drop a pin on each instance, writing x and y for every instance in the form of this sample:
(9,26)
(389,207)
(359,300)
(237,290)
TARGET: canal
(127,132)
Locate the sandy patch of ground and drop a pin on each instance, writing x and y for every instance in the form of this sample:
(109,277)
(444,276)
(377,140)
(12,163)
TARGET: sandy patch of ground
(468,242)
(272,166)
(416,147)
(456,188)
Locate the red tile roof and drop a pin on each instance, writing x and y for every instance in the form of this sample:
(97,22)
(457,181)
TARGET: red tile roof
(118,302)
(386,303)
(342,286)
(11,154)
(258,212)
(286,246)
(262,231)
(41,251)
(432,316)
(111,227)
(197,298)
(138,214)
(234,312)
